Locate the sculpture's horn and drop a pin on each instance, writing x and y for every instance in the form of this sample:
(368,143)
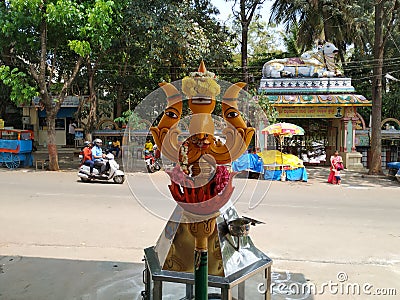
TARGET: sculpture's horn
(232,93)
(172,93)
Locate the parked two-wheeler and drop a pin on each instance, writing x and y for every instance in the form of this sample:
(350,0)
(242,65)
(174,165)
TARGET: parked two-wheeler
(152,163)
(112,172)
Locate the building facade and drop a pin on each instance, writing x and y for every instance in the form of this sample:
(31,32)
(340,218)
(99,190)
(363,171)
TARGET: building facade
(313,94)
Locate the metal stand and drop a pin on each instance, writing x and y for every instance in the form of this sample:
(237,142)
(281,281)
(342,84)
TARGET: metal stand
(154,277)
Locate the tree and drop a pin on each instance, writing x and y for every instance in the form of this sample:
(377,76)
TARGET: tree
(101,30)
(334,21)
(179,43)
(386,19)
(49,43)
(245,15)
(263,45)
(164,41)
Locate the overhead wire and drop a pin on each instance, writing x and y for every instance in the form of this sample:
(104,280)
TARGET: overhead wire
(226,71)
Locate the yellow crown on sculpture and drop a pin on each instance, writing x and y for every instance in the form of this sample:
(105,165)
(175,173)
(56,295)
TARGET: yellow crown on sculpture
(201,83)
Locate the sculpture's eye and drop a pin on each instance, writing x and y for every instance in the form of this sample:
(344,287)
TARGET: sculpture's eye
(232,114)
(171,114)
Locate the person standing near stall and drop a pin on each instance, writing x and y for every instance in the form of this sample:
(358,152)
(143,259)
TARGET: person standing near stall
(71,132)
(336,166)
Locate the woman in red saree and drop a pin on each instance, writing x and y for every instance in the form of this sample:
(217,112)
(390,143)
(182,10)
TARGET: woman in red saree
(336,166)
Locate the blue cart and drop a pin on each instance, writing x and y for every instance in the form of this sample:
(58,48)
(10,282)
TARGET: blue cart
(16,148)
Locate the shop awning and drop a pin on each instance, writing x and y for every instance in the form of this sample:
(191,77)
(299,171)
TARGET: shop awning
(64,112)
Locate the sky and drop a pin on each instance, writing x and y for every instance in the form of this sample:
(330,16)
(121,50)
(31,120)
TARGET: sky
(225,9)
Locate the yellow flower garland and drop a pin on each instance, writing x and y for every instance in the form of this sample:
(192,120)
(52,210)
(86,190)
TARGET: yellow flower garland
(196,85)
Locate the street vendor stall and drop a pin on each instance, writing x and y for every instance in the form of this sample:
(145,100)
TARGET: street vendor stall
(16,147)
(249,162)
(278,164)
(280,131)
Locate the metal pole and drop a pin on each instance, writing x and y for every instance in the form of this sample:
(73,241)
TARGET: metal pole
(201,231)
(201,274)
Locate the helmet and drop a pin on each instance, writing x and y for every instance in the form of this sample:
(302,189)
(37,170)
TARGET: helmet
(86,143)
(97,141)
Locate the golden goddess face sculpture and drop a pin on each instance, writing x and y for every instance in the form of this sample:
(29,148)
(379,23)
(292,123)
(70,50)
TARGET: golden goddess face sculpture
(201,89)
(200,183)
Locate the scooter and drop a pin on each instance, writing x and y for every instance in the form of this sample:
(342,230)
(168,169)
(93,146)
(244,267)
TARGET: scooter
(152,162)
(113,172)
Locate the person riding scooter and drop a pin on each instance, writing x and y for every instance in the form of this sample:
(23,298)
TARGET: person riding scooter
(87,155)
(113,172)
(98,156)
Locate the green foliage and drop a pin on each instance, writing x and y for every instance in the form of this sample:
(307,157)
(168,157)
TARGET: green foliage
(21,91)
(267,107)
(291,42)
(101,26)
(64,12)
(131,118)
(80,47)
(391,102)
(177,36)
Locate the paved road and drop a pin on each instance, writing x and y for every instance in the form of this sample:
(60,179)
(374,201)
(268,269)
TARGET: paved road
(50,221)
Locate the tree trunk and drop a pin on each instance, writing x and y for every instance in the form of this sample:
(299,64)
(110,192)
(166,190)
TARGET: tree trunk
(376,135)
(92,118)
(51,140)
(47,100)
(120,91)
(118,104)
(51,106)
(245,31)
(244,55)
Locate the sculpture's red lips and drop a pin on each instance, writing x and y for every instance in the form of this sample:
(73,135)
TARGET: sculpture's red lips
(202,200)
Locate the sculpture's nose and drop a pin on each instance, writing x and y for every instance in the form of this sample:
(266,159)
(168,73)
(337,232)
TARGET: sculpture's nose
(201,136)
(201,124)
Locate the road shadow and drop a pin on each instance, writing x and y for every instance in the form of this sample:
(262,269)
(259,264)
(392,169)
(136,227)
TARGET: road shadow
(48,279)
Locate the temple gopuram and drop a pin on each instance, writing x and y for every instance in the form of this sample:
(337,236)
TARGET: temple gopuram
(311,91)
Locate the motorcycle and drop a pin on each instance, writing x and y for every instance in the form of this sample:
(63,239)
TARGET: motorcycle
(152,162)
(113,172)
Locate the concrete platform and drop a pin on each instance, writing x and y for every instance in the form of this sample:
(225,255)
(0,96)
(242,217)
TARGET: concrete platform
(30,278)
